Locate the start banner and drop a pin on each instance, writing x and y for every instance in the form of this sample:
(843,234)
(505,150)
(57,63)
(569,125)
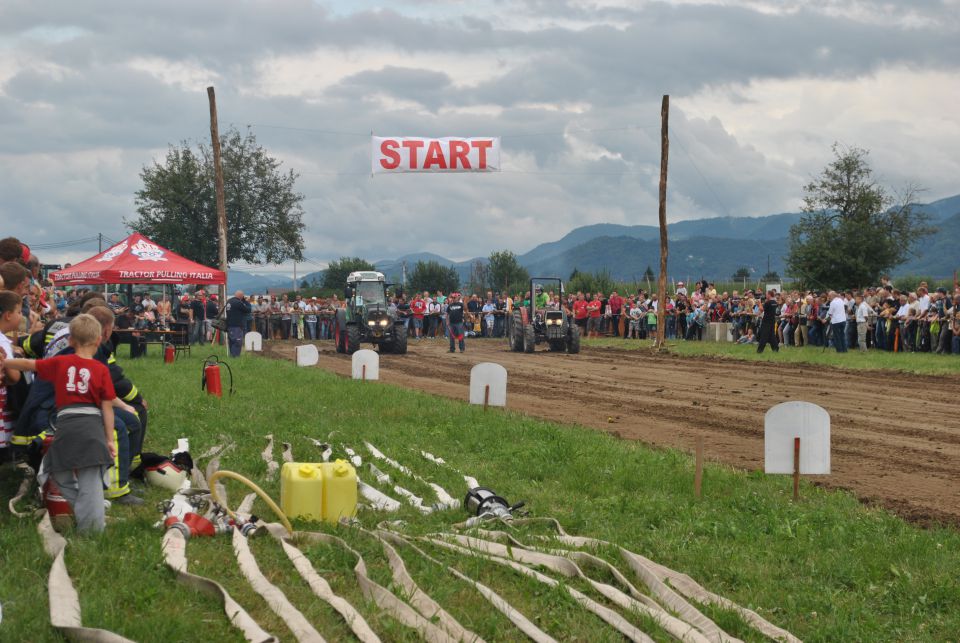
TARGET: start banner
(450,154)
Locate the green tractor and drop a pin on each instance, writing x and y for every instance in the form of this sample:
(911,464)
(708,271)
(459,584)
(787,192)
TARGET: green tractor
(366,318)
(540,321)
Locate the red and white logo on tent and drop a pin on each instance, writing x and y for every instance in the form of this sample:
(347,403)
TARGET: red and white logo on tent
(114,252)
(147,251)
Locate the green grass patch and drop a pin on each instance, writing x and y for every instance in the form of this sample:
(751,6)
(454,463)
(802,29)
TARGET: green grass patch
(826,569)
(872,360)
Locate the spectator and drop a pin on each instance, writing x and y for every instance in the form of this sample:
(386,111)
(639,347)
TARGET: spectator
(455,321)
(237,309)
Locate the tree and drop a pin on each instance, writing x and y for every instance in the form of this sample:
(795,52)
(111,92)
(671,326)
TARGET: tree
(335,277)
(648,274)
(431,275)
(742,274)
(771,277)
(479,277)
(177,206)
(505,272)
(601,281)
(852,229)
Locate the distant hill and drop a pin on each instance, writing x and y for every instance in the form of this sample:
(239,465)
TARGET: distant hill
(255,284)
(712,248)
(628,257)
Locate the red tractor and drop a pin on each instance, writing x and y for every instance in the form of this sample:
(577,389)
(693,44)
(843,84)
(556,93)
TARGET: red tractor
(540,320)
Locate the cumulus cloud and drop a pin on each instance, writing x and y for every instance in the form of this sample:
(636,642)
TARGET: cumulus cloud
(91,92)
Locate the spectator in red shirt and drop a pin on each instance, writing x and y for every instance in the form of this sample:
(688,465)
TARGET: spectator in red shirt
(580,313)
(593,316)
(616,305)
(418,308)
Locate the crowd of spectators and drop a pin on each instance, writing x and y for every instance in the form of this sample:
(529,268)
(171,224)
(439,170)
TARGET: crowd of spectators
(881,317)
(50,419)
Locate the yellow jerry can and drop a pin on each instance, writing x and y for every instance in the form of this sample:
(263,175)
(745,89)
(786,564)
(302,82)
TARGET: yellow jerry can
(339,490)
(301,490)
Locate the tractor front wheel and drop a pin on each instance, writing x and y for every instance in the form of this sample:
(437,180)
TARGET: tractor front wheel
(529,338)
(353,339)
(399,345)
(573,340)
(515,332)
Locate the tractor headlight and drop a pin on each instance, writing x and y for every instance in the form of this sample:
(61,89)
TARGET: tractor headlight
(383,322)
(371,323)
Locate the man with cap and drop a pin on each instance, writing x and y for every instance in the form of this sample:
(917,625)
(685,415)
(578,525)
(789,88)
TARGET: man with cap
(454,317)
(237,309)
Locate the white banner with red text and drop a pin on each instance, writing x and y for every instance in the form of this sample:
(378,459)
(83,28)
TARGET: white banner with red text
(393,154)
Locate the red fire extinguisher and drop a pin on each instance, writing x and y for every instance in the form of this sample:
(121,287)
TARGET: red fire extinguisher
(169,353)
(210,376)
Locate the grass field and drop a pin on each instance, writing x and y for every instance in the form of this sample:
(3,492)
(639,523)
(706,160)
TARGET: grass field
(919,363)
(827,569)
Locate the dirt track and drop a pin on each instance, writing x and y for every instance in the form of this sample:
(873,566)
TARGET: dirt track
(895,438)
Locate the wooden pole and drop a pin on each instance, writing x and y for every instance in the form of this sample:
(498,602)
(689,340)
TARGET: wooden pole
(363,372)
(662,282)
(218,184)
(796,469)
(698,474)
(486,396)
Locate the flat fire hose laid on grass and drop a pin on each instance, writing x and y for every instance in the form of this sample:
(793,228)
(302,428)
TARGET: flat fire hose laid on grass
(175,556)
(667,603)
(635,601)
(381,596)
(29,475)
(267,455)
(64,600)
(656,576)
(522,623)
(608,615)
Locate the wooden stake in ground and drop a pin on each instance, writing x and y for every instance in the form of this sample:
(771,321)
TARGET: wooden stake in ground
(662,281)
(796,469)
(486,396)
(698,474)
(218,185)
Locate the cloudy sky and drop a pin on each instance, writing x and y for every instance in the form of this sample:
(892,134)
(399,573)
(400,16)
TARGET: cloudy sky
(90,92)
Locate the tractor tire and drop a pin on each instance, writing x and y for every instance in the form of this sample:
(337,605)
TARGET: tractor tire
(399,346)
(353,339)
(529,339)
(573,340)
(515,333)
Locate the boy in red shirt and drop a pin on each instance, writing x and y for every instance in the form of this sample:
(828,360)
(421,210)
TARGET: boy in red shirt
(83,444)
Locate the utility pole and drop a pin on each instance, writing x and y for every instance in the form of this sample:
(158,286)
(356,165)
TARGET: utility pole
(218,183)
(100,241)
(296,285)
(662,282)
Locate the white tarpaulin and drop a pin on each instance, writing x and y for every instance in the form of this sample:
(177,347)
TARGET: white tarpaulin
(448,154)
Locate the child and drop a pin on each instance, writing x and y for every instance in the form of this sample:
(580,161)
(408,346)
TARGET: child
(11,312)
(83,443)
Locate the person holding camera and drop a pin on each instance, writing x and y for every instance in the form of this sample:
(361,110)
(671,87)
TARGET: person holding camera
(237,309)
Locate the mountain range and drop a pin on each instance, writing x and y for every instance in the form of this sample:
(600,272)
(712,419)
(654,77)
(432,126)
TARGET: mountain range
(712,248)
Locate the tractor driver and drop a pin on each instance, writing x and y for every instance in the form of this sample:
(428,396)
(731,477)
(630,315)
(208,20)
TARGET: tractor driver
(540,302)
